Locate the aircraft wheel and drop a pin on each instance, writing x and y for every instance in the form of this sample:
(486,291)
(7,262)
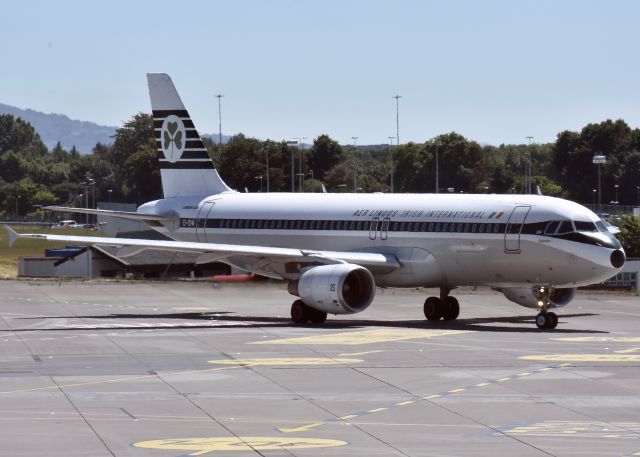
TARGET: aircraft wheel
(553,320)
(542,320)
(433,308)
(318,317)
(300,313)
(451,309)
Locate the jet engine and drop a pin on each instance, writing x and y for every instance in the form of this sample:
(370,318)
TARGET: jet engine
(336,289)
(531,296)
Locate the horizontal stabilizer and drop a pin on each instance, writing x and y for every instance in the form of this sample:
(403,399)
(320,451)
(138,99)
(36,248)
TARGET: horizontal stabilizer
(109,213)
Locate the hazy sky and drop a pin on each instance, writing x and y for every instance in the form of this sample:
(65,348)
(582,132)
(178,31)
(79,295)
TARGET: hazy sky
(494,71)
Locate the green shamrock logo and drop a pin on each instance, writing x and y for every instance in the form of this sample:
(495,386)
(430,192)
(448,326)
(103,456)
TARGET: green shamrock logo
(172,138)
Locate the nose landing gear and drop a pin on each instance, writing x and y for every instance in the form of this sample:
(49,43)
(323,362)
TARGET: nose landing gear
(545,319)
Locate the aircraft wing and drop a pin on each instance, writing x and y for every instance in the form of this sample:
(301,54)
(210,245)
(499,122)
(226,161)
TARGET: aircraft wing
(223,250)
(106,212)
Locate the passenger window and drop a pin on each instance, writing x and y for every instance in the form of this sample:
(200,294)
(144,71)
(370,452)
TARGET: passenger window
(466,228)
(409,226)
(474,227)
(459,228)
(445,227)
(481,228)
(438,227)
(431,226)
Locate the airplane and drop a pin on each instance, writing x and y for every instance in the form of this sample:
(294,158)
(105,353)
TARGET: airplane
(336,249)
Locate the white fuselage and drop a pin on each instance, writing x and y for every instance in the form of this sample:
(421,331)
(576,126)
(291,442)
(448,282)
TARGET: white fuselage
(443,240)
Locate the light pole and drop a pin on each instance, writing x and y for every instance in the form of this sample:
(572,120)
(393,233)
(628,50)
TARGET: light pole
(311,174)
(267,157)
(300,175)
(437,172)
(391,159)
(355,176)
(109,191)
(599,160)
(528,177)
(260,178)
(293,166)
(219,120)
(17,200)
(397,97)
(594,198)
(616,187)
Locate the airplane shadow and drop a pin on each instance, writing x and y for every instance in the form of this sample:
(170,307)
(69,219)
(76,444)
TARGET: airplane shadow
(227,319)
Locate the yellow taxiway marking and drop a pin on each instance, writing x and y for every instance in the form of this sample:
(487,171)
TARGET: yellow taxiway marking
(578,429)
(201,446)
(583,357)
(627,351)
(429,397)
(302,428)
(409,402)
(377,410)
(365,337)
(282,361)
(112,381)
(347,354)
(600,339)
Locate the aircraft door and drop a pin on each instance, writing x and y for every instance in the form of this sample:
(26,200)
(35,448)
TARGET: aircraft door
(384,228)
(514,228)
(201,222)
(373,228)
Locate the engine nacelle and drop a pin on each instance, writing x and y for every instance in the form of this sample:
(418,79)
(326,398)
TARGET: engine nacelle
(530,297)
(336,289)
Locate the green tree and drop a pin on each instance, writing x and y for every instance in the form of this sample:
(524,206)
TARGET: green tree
(629,235)
(325,154)
(19,136)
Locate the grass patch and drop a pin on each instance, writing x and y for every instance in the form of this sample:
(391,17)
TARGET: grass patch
(26,247)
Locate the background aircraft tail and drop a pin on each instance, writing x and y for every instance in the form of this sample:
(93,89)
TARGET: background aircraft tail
(185,165)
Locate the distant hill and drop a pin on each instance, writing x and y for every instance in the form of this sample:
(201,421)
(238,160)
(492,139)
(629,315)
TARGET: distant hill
(69,132)
(58,127)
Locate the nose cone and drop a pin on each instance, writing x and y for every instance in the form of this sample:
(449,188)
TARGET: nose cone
(618,258)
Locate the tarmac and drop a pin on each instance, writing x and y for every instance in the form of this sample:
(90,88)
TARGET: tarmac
(99,368)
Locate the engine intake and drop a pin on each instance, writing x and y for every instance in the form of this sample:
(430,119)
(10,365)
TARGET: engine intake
(529,297)
(336,289)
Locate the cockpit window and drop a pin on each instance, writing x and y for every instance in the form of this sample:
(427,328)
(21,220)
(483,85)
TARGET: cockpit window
(551,228)
(565,227)
(602,226)
(582,226)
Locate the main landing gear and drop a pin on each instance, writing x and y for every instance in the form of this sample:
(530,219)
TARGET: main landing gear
(301,314)
(545,319)
(443,307)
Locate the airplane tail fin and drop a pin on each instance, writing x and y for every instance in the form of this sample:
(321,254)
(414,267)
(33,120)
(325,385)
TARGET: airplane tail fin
(185,166)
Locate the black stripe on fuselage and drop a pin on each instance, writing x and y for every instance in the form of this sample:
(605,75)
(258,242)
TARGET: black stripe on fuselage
(381,226)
